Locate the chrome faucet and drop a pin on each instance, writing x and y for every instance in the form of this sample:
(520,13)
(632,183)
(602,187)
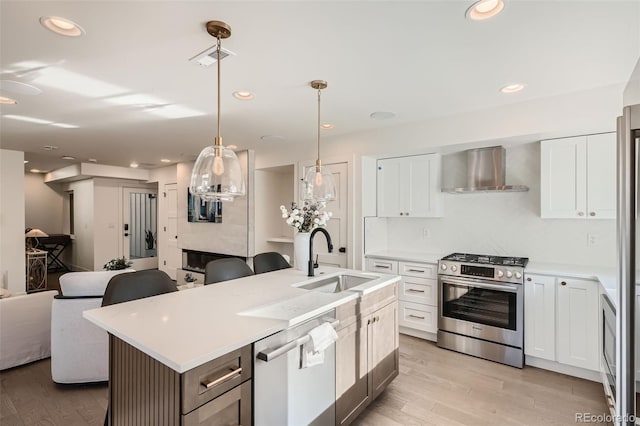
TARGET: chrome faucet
(329,247)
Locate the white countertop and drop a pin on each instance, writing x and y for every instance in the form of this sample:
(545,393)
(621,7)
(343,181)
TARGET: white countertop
(187,328)
(411,256)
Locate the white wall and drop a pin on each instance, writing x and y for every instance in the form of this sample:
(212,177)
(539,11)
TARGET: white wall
(632,91)
(12,243)
(43,204)
(107,219)
(593,111)
(164,176)
(81,257)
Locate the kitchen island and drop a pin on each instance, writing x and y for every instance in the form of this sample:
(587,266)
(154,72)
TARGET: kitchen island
(168,344)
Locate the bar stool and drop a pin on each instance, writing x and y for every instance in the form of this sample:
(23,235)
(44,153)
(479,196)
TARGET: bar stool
(225,269)
(137,285)
(269,261)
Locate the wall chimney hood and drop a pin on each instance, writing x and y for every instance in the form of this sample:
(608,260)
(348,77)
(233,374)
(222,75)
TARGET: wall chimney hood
(486,172)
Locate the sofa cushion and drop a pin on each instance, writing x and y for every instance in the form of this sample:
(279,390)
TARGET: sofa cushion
(91,283)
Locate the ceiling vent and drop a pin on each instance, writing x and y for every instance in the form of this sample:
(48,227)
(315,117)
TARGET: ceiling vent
(209,56)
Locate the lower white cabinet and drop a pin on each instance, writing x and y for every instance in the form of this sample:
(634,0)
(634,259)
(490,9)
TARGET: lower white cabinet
(418,294)
(561,320)
(540,316)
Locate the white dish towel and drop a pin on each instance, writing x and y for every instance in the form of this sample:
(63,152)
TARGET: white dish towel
(321,338)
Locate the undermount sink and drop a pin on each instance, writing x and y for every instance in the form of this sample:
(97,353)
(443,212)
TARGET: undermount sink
(337,283)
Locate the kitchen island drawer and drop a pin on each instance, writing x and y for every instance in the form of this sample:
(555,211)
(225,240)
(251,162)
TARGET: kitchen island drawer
(418,316)
(382,265)
(231,408)
(204,383)
(419,270)
(419,290)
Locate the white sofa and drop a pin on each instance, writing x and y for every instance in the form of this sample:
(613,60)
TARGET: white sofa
(79,349)
(25,328)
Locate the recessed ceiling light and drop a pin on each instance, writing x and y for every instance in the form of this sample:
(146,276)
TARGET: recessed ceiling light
(27,119)
(165,160)
(7,101)
(68,157)
(271,138)
(243,96)
(19,88)
(92,160)
(49,147)
(61,26)
(35,170)
(382,115)
(327,126)
(512,88)
(134,165)
(484,9)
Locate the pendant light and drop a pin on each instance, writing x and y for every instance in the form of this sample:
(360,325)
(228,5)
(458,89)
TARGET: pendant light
(217,175)
(318,184)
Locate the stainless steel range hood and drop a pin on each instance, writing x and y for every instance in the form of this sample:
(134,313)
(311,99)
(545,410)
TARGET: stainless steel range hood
(486,172)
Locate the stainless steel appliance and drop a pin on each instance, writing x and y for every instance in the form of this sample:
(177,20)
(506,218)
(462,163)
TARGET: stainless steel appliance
(290,393)
(608,351)
(481,304)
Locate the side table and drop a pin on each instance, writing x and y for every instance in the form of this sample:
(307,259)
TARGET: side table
(36,270)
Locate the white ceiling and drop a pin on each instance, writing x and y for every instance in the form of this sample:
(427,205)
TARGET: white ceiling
(419,59)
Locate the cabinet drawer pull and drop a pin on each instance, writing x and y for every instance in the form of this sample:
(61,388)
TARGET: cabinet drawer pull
(580,213)
(528,278)
(563,283)
(226,377)
(592,214)
(416,270)
(416,316)
(413,290)
(383,267)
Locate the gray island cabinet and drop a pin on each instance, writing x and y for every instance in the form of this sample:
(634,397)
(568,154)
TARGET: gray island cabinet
(187,358)
(143,391)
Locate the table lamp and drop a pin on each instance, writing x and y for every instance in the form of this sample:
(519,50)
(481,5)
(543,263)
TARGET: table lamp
(33,233)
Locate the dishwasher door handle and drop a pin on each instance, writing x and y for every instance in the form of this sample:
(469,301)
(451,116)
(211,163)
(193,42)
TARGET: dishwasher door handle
(275,353)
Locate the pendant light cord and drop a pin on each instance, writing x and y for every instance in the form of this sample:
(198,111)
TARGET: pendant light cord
(318,159)
(218,141)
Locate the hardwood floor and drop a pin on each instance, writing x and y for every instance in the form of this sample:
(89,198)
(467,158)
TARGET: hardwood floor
(435,387)
(441,387)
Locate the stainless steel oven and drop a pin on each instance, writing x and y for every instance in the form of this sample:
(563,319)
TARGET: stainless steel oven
(481,306)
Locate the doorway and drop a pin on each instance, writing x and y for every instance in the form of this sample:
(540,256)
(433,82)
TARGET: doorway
(140,214)
(338,225)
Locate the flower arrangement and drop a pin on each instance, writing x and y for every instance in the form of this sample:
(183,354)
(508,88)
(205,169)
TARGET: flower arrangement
(308,217)
(117,264)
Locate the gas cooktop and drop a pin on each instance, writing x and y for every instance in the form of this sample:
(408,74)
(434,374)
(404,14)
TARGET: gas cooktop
(487,259)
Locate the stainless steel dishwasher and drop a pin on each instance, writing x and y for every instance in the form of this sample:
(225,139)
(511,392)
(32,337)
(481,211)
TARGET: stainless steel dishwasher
(284,392)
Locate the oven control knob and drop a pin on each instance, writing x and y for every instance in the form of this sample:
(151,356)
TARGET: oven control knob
(443,266)
(518,275)
(509,274)
(500,274)
(454,268)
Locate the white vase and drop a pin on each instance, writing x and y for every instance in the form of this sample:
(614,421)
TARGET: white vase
(301,250)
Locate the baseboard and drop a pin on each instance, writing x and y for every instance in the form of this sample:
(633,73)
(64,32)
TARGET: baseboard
(569,370)
(419,333)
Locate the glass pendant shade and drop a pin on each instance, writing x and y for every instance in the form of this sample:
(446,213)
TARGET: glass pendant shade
(217,175)
(318,185)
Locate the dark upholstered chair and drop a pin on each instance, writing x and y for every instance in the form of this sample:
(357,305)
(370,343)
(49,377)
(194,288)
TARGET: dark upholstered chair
(225,269)
(270,261)
(137,285)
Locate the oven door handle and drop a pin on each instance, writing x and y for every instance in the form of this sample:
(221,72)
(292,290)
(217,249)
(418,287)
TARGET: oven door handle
(474,283)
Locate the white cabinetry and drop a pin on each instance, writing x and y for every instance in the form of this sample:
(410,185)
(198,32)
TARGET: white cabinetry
(578,177)
(540,316)
(578,323)
(561,320)
(409,186)
(418,295)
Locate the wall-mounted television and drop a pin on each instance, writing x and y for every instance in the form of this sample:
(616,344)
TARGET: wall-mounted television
(201,210)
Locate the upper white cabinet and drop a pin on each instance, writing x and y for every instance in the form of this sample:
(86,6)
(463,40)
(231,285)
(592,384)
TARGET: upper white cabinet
(578,177)
(409,186)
